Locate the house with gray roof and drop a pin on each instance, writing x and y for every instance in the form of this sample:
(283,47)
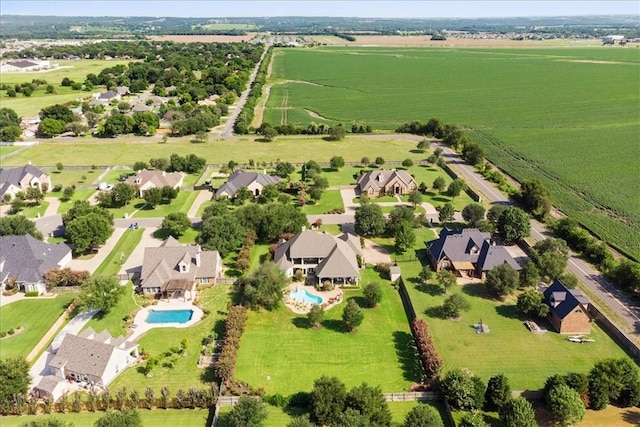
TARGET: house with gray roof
(24,261)
(17,180)
(145,179)
(253,181)
(468,253)
(568,309)
(173,270)
(89,357)
(322,257)
(384,182)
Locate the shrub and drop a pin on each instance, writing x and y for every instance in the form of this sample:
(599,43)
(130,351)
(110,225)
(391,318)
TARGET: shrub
(32,293)
(431,360)
(372,294)
(11,331)
(384,268)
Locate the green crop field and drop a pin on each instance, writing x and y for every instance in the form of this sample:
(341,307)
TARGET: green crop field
(570,117)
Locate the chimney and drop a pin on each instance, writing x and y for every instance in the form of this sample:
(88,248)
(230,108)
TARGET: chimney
(197,259)
(2,260)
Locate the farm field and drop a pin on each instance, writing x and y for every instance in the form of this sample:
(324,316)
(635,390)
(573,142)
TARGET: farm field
(21,314)
(279,353)
(533,110)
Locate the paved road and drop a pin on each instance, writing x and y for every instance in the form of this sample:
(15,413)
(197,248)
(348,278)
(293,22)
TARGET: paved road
(623,306)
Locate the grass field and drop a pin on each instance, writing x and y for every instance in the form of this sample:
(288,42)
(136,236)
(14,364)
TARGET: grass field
(331,199)
(120,253)
(509,346)
(6,149)
(185,372)
(112,322)
(75,70)
(157,417)
(279,353)
(533,110)
(35,316)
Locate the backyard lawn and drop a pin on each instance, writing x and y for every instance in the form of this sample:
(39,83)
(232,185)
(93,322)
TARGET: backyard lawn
(157,417)
(185,373)
(36,316)
(112,322)
(280,354)
(120,252)
(331,199)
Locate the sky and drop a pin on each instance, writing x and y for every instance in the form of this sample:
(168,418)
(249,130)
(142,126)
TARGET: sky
(370,9)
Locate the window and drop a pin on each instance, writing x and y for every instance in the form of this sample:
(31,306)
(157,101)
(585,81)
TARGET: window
(204,280)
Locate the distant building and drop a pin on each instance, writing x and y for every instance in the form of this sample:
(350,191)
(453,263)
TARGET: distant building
(612,39)
(568,309)
(146,179)
(24,65)
(252,181)
(17,180)
(386,183)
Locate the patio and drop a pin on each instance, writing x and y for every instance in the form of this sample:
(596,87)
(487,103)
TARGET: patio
(329,298)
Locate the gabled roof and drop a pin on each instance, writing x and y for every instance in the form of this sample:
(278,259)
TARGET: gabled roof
(240,179)
(156,177)
(380,178)
(108,95)
(458,245)
(28,259)
(340,262)
(160,264)
(23,64)
(493,256)
(15,175)
(564,299)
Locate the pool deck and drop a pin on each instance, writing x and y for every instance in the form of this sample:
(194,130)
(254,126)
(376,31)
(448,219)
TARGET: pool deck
(329,298)
(140,325)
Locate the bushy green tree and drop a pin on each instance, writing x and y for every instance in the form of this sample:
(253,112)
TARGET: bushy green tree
(614,380)
(221,233)
(514,225)
(405,238)
(369,220)
(566,405)
(517,412)
(128,418)
(446,212)
(529,275)
(498,392)
(328,397)
(352,316)
(315,316)
(176,223)
(372,294)
(423,415)
(14,378)
(454,305)
(100,293)
(445,279)
(461,390)
(502,280)
(88,231)
(336,162)
(439,184)
(264,287)
(473,213)
(551,256)
(370,404)
(18,225)
(249,412)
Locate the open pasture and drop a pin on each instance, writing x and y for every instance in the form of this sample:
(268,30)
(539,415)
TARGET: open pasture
(566,116)
(75,70)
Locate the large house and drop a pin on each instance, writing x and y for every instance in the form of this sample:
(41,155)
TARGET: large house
(322,257)
(93,358)
(146,179)
(24,261)
(173,270)
(468,253)
(24,65)
(252,181)
(386,183)
(568,309)
(17,180)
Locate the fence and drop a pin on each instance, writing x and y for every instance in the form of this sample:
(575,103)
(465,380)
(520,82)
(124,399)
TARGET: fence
(65,289)
(420,396)
(622,338)
(470,191)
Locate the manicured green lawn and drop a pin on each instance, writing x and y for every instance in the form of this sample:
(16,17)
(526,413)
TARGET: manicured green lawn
(6,149)
(156,417)
(36,316)
(279,353)
(526,358)
(70,177)
(189,236)
(182,203)
(185,372)
(331,199)
(77,195)
(120,252)
(35,211)
(76,70)
(112,321)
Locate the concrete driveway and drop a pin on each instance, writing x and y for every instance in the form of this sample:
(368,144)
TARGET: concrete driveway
(133,264)
(92,264)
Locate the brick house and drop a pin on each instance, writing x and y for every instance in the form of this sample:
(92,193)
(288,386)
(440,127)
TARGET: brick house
(568,309)
(386,183)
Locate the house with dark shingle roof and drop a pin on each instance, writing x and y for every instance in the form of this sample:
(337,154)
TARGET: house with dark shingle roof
(173,270)
(568,309)
(322,257)
(89,357)
(252,181)
(468,253)
(17,180)
(386,183)
(24,261)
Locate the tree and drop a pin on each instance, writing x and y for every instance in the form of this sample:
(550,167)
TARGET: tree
(263,288)
(352,316)
(446,212)
(445,279)
(68,193)
(423,415)
(495,211)
(514,225)
(269,193)
(88,231)
(8,117)
(48,128)
(328,398)
(498,392)
(76,128)
(57,277)
(364,161)
(532,303)
(176,223)
(472,419)
(472,153)
(249,412)
(10,133)
(301,421)
(407,163)
(268,133)
(535,198)
(336,162)
(57,112)
(517,412)
(47,422)
(426,274)
(454,305)
(315,316)
(566,405)
(284,169)
(153,196)
(423,145)
(34,194)
(551,256)
(502,280)
(351,418)
(100,293)
(337,132)
(405,237)
(529,275)
(370,404)
(128,418)
(614,380)
(372,294)
(18,225)
(456,187)
(369,220)
(473,213)
(379,161)
(14,378)
(121,194)
(399,216)
(461,390)
(415,197)
(221,233)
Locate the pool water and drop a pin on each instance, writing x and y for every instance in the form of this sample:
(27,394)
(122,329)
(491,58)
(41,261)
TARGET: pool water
(169,316)
(303,295)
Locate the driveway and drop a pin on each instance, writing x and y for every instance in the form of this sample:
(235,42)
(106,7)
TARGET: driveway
(203,197)
(54,204)
(348,194)
(133,264)
(92,264)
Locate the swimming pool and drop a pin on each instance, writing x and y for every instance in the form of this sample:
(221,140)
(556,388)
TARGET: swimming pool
(169,316)
(303,295)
